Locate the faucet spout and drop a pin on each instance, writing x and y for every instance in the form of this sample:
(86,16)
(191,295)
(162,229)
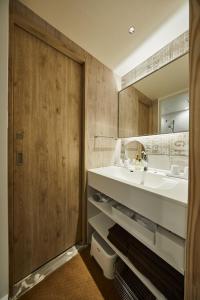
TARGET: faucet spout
(145,160)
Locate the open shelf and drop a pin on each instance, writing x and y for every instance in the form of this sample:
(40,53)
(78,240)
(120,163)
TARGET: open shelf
(101,223)
(134,229)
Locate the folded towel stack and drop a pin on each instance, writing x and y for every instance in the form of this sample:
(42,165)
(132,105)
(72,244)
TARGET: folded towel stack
(120,238)
(168,280)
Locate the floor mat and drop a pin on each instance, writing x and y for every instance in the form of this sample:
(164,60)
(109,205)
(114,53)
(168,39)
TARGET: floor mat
(79,279)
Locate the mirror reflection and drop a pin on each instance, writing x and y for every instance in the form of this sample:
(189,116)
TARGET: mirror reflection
(134,150)
(158,103)
(134,156)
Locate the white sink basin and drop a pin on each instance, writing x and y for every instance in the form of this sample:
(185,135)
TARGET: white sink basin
(157,180)
(154,195)
(122,174)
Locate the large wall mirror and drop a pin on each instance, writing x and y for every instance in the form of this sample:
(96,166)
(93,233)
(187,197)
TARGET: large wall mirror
(158,103)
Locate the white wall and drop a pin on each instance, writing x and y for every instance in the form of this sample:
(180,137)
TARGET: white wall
(174,107)
(4,16)
(181,119)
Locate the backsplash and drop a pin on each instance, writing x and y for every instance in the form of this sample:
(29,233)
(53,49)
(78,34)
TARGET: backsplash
(165,149)
(175,144)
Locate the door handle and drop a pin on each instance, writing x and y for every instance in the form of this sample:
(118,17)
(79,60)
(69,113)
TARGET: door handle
(19,158)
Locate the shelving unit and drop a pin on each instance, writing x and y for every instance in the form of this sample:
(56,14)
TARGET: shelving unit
(106,208)
(101,223)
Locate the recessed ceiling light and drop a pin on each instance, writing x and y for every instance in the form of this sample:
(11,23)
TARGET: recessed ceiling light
(131,29)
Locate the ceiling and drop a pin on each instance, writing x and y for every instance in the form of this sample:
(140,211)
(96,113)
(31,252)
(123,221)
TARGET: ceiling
(101,26)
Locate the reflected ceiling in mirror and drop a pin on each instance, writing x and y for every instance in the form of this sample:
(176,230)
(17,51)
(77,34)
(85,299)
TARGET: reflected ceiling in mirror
(158,103)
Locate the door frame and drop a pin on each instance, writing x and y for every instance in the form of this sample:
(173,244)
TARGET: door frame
(192,274)
(23,17)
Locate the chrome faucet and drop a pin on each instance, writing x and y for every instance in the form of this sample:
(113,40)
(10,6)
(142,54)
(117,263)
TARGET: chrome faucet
(144,157)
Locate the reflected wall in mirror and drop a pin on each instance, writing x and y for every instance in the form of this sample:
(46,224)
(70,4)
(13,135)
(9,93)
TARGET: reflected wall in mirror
(158,103)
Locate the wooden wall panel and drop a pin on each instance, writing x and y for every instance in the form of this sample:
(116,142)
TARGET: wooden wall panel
(136,113)
(101,94)
(101,102)
(192,281)
(153,118)
(101,113)
(128,112)
(143,122)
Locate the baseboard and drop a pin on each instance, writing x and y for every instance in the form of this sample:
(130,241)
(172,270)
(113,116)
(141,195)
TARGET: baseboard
(4,297)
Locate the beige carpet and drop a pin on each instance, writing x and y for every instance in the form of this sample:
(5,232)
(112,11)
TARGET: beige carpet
(79,279)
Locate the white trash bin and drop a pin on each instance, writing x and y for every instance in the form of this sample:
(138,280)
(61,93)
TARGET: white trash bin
(104,255)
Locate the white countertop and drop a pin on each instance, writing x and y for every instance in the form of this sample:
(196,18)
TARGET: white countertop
(171,188)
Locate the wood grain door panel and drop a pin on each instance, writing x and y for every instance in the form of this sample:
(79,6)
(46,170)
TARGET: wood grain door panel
(144,112)
(47,136)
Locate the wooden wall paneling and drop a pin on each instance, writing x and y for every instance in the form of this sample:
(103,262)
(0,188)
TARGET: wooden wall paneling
(106,82)
(143,98)
(144,113)
(143,122)
(192,278)
(153,118)
(128,112)
(102,110)
(93,97)
(134,113)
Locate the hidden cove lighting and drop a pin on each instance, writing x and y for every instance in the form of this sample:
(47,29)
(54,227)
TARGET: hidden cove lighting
(131,29)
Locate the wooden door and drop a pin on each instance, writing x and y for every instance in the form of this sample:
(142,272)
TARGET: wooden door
(47,148)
